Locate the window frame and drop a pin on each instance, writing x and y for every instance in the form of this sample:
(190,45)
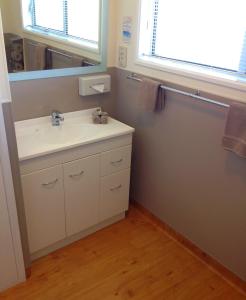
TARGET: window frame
(191,70)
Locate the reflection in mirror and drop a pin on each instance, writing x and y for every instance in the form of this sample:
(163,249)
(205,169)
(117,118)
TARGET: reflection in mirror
(47,35)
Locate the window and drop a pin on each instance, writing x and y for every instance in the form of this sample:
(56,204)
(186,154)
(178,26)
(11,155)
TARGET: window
(73,20)
(208,33)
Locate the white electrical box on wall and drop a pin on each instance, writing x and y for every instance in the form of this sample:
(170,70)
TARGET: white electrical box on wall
(93,85)
(122,57)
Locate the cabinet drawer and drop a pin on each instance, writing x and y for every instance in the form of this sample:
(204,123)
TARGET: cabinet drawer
(82,190)
(114,194)
(116,160)
(44,207)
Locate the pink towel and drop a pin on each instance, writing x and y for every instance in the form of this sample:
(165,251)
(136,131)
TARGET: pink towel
(235,132)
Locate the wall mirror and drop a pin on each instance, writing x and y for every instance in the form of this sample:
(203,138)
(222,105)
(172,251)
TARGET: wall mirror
(54,38)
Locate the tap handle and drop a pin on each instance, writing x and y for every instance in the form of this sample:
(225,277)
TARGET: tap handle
(55,114)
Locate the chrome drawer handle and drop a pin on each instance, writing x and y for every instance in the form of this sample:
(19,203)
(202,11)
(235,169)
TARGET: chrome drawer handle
(116,188)
(50,183)
(76,175)
(117,162)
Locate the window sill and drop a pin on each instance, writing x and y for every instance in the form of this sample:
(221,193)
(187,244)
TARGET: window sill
(62,40)
(213,76)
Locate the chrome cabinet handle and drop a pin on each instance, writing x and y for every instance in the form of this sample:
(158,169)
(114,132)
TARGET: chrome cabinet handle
(116,188)
(76,175)
(117,162)
(50,183)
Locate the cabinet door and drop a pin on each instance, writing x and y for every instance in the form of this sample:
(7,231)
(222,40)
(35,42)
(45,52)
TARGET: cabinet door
(44,206)
(81,181)
(114,194)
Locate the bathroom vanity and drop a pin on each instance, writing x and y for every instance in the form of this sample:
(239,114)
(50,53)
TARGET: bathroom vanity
(75,177)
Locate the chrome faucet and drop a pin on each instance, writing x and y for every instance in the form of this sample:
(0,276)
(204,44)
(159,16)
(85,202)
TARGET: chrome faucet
(56,118)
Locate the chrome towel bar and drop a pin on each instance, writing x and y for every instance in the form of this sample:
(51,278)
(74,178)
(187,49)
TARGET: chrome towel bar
(59,53)
(49,49)
(196,95)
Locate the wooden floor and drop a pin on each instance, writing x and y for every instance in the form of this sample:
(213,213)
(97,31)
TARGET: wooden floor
(132,259)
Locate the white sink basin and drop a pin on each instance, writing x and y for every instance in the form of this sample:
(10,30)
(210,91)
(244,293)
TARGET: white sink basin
(63,134)
(37,137)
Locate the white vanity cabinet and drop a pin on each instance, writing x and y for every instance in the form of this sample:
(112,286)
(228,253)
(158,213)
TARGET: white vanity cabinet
(72,193)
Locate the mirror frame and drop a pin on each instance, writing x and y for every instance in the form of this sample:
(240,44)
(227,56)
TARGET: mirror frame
(102,67)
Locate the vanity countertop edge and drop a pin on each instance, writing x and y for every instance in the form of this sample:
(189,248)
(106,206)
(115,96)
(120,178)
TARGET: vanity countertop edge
(37,137)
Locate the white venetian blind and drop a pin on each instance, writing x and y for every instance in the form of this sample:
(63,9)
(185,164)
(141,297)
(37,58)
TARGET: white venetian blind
(49,14)
(78,19)
(83,19)
(210,33)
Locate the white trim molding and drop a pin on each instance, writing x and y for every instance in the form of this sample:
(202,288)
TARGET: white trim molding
(4,83)
(16,269)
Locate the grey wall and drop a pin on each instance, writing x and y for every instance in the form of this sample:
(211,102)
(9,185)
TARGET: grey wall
(182,174)
(37,98)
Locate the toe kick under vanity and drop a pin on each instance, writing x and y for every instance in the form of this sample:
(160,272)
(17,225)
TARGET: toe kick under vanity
(75,177)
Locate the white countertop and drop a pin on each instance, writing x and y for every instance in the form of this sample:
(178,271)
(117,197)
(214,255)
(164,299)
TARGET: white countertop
(37,137)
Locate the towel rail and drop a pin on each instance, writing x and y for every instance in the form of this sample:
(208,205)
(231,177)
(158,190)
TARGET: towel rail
(51,50)
(196,95)
(59,53)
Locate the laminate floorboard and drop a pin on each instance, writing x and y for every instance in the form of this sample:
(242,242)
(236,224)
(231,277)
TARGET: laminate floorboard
(133,259)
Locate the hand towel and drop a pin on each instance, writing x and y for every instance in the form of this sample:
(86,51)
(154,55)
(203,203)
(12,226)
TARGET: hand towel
(235,132)
(48,59)
(161,99)
(34,55)
(60,59)
(77,61)
(151,94)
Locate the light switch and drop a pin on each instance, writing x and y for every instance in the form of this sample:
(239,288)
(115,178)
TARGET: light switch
(122,57)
